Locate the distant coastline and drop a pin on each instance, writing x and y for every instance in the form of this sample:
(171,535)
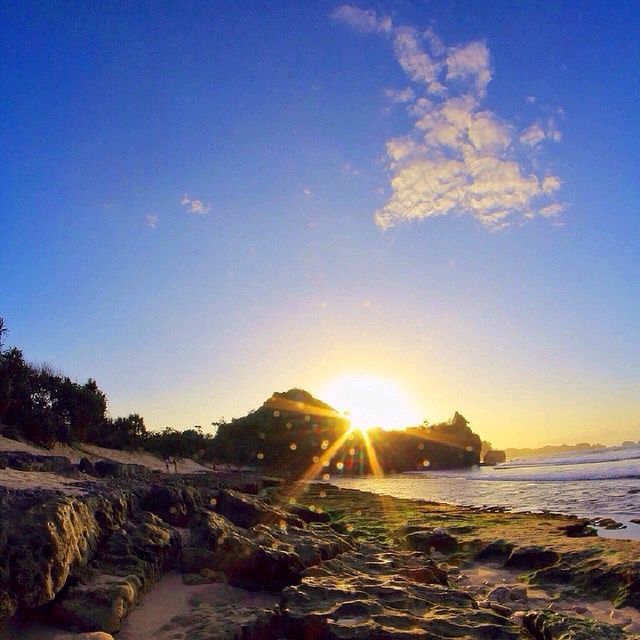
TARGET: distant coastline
(513,453)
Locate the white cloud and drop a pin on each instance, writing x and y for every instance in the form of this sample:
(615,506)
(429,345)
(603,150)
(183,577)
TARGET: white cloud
(151,221)
(349,170)
(536,133)
(551,184)
(533,135)
(552,210)
(458,157)
(470,61)
(416,62)
(364,21)
(306,191)
(400,96)
(194,206)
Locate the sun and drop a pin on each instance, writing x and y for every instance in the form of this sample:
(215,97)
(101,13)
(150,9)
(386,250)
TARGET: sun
(371,401)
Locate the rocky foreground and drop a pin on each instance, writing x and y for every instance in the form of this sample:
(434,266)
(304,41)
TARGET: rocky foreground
(266,560)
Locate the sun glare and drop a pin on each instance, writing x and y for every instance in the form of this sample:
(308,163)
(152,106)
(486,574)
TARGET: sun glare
(371,401)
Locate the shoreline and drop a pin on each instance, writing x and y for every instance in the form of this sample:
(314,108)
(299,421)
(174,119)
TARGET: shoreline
(231,551)
(510,496)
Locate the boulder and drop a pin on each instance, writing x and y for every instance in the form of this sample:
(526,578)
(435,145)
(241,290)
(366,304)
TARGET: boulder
(531,558)
(430,541)
(496,551)
(506,595)
(86,466)
(581,529)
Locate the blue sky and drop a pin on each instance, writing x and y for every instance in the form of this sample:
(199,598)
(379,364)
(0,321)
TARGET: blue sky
(206,202)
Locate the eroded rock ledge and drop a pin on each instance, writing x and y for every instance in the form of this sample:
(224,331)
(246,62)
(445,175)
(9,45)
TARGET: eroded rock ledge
(338,564)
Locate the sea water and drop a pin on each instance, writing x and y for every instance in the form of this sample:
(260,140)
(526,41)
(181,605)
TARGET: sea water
(595,484)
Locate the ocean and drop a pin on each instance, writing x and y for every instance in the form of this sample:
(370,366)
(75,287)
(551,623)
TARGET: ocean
(596,484)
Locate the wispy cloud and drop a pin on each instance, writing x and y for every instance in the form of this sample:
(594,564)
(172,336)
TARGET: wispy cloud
(400,96)
(194,206)
(458,157)
(151,221)
(361,20)
(537,133)
(349,170)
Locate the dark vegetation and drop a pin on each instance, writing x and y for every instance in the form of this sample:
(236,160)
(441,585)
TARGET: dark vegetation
(292,433)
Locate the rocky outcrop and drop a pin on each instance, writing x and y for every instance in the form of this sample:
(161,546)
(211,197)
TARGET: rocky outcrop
(341,565)
(247,511)
(495,551)
(437,540)
(113,469)
(23,461)
(125,567)
(45,537)
(263,557)
(174,505)
(531,558)
(374,593)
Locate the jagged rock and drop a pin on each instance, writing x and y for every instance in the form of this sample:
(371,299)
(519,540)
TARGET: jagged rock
(130,561)
(248,511)
(372,592)
(359,607)
(549,625)
(431,541)
(263,558)
(224,618)
(531,558)
(244,562)
(43,543)
(174,505)
(378,560)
